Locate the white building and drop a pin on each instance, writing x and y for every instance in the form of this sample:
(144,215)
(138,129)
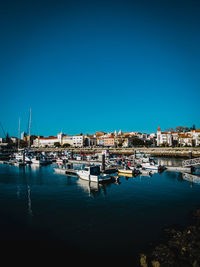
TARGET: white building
(196,137)
(46,141)
(78,140)
(164,138)
(68,139)
(185,139)
(90,140)
(190,138)
(14,139)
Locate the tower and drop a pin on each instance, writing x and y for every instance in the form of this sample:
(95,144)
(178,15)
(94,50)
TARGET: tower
(158,136)
(60,137)
(169,141)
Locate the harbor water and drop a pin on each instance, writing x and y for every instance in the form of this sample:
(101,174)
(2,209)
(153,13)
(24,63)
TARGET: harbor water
(44,213)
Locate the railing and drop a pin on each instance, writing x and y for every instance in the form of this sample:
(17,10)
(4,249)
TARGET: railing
(191,162)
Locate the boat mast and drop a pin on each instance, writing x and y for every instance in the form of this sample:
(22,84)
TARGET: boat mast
(29,140)
(19,134)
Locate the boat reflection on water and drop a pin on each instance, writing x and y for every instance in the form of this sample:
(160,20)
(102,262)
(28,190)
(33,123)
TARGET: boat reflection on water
(144,173)
(192,178)
(34,167)
(25,192)
(127,175)
(92,188)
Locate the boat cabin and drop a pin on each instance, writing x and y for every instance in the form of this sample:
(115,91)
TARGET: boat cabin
(93,170)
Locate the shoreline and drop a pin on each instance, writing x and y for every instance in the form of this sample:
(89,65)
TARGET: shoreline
(179,152)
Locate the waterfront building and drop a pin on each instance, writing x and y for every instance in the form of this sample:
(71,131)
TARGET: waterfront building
(78,140)
(47,141)
(98,134)
(100,141)
(196,137)
(14,140)
(125,139)
(2,140)
(106,140)
(31,137)
(60,137)
(187,138)
(109,141)
(36,142)
(127,142)
(67,139)
(90,140)
(164,138)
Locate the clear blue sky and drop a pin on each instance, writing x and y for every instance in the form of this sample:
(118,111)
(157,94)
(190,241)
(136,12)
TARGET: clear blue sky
(86,66)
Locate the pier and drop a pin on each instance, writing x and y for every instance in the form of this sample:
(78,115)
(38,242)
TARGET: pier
(191,162)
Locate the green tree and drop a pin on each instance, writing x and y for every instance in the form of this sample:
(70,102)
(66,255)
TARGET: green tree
(57,144)
(193,127)
(137,142)
(66,145)
(179,129)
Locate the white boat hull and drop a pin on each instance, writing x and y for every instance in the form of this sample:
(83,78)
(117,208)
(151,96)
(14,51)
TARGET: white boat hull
(36,162)
(93,178)
(150,167)
(21,158)
(88,177)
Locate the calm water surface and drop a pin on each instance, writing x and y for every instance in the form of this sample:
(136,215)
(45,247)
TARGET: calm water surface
(53,212)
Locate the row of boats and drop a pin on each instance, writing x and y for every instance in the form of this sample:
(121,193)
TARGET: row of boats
(92,171)
(25,158)
(126,166)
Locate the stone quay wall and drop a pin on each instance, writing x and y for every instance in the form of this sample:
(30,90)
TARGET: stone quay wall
(187,152)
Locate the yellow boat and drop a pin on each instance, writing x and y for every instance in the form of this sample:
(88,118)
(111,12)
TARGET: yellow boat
(123,171)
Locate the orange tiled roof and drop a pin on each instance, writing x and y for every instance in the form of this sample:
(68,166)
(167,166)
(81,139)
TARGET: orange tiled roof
(99,133)
(48,138)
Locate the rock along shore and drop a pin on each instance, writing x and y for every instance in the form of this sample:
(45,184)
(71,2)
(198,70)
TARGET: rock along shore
(177,248)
